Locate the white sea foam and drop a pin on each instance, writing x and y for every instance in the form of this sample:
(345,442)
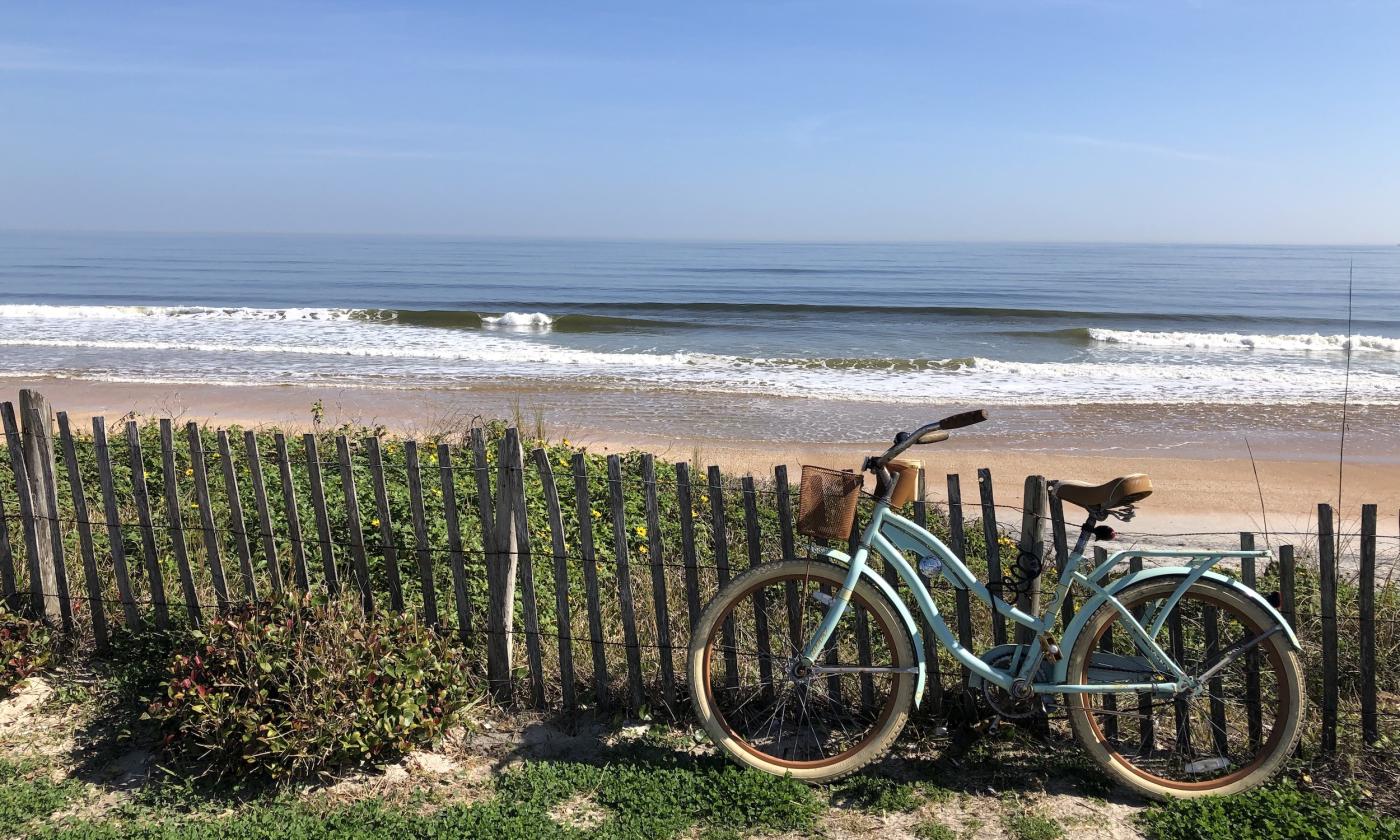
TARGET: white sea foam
(206,344)
(1240,341)
(234,313)
(519,320)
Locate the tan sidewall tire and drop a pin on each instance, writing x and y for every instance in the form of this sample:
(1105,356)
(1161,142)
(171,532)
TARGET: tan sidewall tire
(1085,731)
(882,611)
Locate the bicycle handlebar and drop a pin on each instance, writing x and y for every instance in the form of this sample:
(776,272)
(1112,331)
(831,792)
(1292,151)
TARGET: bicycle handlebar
(931,433)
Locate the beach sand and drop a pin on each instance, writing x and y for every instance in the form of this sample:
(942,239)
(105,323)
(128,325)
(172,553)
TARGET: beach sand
(1205,492)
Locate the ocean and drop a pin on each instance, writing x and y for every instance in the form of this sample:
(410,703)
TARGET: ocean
(894,325)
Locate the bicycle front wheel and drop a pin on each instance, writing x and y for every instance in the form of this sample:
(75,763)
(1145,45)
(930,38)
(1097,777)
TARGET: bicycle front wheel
(1232,734)
(764,709)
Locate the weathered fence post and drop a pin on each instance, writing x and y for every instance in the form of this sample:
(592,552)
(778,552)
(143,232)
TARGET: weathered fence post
(563,616)
(624,583)
(1032,543)
(1366,598)
(38,598)
(80,513)
(1327,583)
(957,541)
(990,535)
(525,565)
(500,583)
(36,419)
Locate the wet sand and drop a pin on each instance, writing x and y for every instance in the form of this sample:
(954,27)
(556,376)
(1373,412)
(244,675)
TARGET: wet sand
(1205,482)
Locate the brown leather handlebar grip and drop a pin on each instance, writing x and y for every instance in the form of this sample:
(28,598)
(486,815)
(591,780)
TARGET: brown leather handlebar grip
(967,418)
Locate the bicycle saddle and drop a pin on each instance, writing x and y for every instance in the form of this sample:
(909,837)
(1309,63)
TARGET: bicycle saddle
(1124,490)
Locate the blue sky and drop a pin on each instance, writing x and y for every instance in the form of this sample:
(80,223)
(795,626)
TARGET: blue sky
(855,120)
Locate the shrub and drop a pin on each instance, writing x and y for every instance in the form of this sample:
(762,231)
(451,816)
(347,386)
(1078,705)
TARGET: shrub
(26,647)
(297,686)
(1279,812)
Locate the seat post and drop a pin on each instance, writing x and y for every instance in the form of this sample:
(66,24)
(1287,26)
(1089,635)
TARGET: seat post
(1086,531)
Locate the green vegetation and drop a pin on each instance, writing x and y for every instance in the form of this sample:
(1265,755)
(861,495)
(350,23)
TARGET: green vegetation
(1278,812)
(876,794)
(636,802)
(932,829)
(298,685)
(26,647)
(27,793)
(1023,825)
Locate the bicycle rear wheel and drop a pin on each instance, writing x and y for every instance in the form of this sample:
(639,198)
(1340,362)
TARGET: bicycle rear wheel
(1232,735)
(758,704)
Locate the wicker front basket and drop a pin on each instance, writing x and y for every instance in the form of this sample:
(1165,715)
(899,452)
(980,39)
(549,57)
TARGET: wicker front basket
(826,508)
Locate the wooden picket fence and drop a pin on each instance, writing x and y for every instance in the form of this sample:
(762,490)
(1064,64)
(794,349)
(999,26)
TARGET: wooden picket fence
(600,602)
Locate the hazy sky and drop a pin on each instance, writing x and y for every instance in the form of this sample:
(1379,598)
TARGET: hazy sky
(853,119)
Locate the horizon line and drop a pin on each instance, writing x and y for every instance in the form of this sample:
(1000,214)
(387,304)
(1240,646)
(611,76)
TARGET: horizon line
(697,239)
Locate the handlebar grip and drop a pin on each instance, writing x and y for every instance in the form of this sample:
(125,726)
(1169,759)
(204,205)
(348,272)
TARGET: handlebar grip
(967,418)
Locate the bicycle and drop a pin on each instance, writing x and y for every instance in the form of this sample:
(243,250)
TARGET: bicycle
(1179,680)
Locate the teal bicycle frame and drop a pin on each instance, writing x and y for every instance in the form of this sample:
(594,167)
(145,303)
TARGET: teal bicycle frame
(890,535)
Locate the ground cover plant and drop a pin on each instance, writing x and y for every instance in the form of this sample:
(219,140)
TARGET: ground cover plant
(26,647)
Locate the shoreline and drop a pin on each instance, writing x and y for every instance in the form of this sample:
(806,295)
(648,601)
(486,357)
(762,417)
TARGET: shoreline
(1204,492)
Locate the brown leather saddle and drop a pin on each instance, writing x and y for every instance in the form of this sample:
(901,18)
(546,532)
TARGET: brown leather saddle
(1115,493)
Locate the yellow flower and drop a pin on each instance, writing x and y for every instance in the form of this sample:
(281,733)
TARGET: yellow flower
(194,505)
(189,471)
(641,531)
(641,549)
(374,522)
(596,514)
(566,442)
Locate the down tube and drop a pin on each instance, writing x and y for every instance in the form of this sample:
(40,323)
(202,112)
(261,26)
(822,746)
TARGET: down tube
(930,610)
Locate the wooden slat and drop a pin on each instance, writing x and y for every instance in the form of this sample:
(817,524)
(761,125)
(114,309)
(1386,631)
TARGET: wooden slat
(141,498)
(501,583)
(990,535)
(1032,543)
(208,530)
(624,582)
(388,552)
(454,543)
(719,526)
(8,590)
(176,524)
(1366,605)
(39,454)
(289,505)
(80,512)
(658,581)
(318,508)
(1110,701)
(525,565)
(37,597)
(1061,540)
(1176,638)
(584,507)
(1254,712)
(753,540)
(1287,588)
(359,564)
(111,515)
(1216,685)
(935,673)
(1327,583)
(787,541)
(562,612)
(862,620)
(957,543)
(422,548)
(237,527)
(685,501)
(265,533)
